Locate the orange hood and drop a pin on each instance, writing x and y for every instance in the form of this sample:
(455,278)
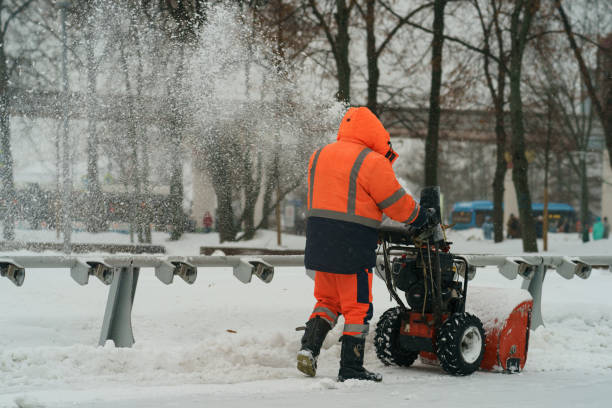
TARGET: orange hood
(361,125)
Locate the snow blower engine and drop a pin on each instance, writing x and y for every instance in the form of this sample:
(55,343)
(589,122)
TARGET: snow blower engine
(434,324)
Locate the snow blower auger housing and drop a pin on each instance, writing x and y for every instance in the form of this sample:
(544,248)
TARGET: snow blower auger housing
(435,282)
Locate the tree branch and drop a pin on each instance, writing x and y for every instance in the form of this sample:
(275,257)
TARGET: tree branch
(446,37)
(583,68)
(15,13)
(402,21)
(323,24)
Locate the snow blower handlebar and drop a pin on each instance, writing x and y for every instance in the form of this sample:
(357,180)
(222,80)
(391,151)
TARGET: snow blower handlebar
(425,243)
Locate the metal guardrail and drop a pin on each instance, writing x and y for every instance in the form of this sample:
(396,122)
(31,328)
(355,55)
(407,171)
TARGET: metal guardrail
(83,248)
(227,250)
(121,273)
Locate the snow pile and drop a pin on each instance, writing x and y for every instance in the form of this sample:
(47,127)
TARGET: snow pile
(494,305)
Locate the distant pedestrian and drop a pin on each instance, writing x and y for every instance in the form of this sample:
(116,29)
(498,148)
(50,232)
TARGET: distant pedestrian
(598,229)
(207,221)
(514,227)
(487,228)
(539,226)
(606,225)
(584,231)
(300,222)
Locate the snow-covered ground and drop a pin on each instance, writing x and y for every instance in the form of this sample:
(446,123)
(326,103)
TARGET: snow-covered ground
(220,343)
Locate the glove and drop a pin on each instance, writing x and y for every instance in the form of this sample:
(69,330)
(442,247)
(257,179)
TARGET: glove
(425,220)
(426,223)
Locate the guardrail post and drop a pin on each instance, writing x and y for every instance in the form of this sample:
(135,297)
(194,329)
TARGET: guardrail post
(534,286)
(117,323)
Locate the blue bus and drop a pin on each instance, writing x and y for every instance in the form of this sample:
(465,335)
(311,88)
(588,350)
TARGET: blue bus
(561,216)
(471,214)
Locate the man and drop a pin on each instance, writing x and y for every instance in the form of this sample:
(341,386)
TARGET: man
(606,225)
(350,184)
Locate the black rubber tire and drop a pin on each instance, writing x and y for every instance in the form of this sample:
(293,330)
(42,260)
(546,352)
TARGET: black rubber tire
(386,340)
(457,329)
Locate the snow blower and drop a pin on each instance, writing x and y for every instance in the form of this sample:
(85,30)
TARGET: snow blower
(438,323)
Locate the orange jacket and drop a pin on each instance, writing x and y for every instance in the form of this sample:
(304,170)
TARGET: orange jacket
(352,179)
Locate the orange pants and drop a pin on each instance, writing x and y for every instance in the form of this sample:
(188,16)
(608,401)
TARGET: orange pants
(346,294)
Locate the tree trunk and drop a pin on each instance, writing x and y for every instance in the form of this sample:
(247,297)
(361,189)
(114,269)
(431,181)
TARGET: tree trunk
(519,31)
(341,54)
(269,187)
(95,212)
(584,197)
(66,174)
(546,175)
(373,71)
(252,183)
(176,129)
(498,95)
(8,195)
(606,91)
(501,166)
(225,213)
(433,126)
(145,204)
(176,186)
(339,43)
(132,137)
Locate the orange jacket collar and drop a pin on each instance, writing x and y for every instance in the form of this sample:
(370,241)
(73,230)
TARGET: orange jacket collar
(362,126)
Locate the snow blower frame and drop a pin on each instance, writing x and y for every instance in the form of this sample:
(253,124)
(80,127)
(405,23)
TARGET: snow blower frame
(435,282)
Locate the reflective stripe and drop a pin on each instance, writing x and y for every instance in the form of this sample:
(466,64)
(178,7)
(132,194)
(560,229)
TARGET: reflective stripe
(332,316)
(362,329)
(312,175)
(352,191)
(392,199)
(335,215)
(413,216)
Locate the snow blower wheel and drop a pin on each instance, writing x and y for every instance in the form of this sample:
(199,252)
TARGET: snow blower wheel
(460,344)
(386,340)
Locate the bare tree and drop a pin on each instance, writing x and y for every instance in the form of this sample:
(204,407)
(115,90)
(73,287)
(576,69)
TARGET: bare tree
(284,23)
(601,102)
(181,20)
(9,9)
(521,20)
(492,31)
(560,89)
(433,124)
(338,38)
(374,52)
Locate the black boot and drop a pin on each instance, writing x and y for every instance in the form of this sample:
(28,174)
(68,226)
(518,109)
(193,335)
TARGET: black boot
(316,330)
(351,361)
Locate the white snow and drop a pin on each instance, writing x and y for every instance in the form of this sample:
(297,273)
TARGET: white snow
(185,356)
(493,305)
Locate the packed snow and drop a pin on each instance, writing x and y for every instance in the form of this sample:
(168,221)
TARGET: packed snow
(223,343)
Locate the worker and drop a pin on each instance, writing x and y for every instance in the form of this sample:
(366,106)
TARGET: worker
(350,184)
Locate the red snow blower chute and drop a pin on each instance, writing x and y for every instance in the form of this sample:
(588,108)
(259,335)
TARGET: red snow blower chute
(439,324)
